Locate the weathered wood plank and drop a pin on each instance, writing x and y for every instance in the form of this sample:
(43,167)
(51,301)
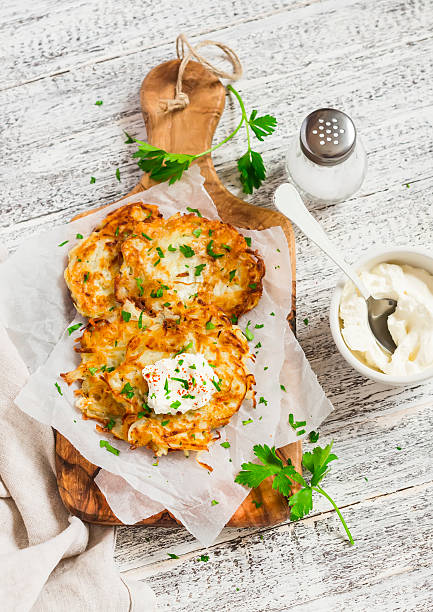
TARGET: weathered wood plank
(367,450)
(388,568)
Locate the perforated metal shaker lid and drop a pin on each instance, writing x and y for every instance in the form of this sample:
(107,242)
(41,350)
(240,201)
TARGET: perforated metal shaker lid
(328,136)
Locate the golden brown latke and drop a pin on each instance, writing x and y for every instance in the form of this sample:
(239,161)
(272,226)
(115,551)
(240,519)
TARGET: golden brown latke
(188,260)
(114,391)
(95,261)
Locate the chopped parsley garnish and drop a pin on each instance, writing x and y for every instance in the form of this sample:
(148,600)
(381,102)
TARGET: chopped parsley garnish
(57,386)
(164,423)
(314,436)
(171,248)
(266,368)
(140,287)
(79,236)
(73,328)
(92,180)
(186,250)
(258,345)
(189,396)
(199,269)
(205,558)
(166,304)
(214,502)
(116,233)
(111,423)
(232,275)
(146,236)
(194,210)
(157,262)
(172,556)
(256,503)
(248,240)
(86,277)
(183,382)
(216,385)
(196,232)
(247,422)
(226,247)
(272,314)
(248,333)
(283,388)
(210,325)
(160,252)
(252,285)
(398,447)
(93,371)
(99,103)
(234,319)
(257,326)
(140,320)
(175,405)
(126,316)
(210,232)
(305,321)
(301,503)
(158,293)
(211,252)
(108,447)
(263,401)
(184,349)
(127,390)
(118,174)
(166,389)
(225,444)
(63,243)
(111,369)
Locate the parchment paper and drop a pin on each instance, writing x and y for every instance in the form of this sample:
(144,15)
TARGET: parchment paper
(36,310)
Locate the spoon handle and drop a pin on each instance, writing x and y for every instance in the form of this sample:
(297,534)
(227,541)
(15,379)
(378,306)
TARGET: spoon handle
(289,202)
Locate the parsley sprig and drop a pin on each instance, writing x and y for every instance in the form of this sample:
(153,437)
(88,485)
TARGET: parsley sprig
(301,503)
(164,166)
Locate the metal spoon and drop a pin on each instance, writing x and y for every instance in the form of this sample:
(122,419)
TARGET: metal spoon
(289,202)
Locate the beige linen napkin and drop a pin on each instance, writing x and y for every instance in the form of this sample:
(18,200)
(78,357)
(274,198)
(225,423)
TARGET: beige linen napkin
(49,561)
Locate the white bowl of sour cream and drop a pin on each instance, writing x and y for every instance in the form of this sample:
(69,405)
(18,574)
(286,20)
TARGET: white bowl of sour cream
(406,275)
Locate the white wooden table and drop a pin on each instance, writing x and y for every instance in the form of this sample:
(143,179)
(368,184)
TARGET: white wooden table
(372,58)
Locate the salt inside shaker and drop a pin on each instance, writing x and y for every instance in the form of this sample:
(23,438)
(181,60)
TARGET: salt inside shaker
(327,160)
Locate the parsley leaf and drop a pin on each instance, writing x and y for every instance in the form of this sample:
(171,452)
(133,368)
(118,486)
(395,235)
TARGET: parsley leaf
(285,476)
(199,269)
(111,423)
(186,250)
(171,248)
(252,171)
(194,210)
(127,390)
(172,556)
(63,243)
(210,325)
(197,232)
(210,251)
(262,126)
(126,316)
(225,444)
(99,103)
(216,385)
(92,180)
(57,386)
(108,447)
(248,333)
(314,436)
(118,174)
(160,252)
(232,275)
(73,328)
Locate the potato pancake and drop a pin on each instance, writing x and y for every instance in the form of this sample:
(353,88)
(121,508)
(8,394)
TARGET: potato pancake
(95,261)
(186,261)
(115,392)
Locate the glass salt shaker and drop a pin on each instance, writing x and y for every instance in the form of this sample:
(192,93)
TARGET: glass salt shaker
(327,160)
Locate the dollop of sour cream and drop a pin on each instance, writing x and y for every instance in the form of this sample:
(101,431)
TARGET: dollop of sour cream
(181,383)
(411,325)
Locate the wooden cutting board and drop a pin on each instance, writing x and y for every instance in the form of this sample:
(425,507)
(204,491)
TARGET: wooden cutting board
(188,131)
